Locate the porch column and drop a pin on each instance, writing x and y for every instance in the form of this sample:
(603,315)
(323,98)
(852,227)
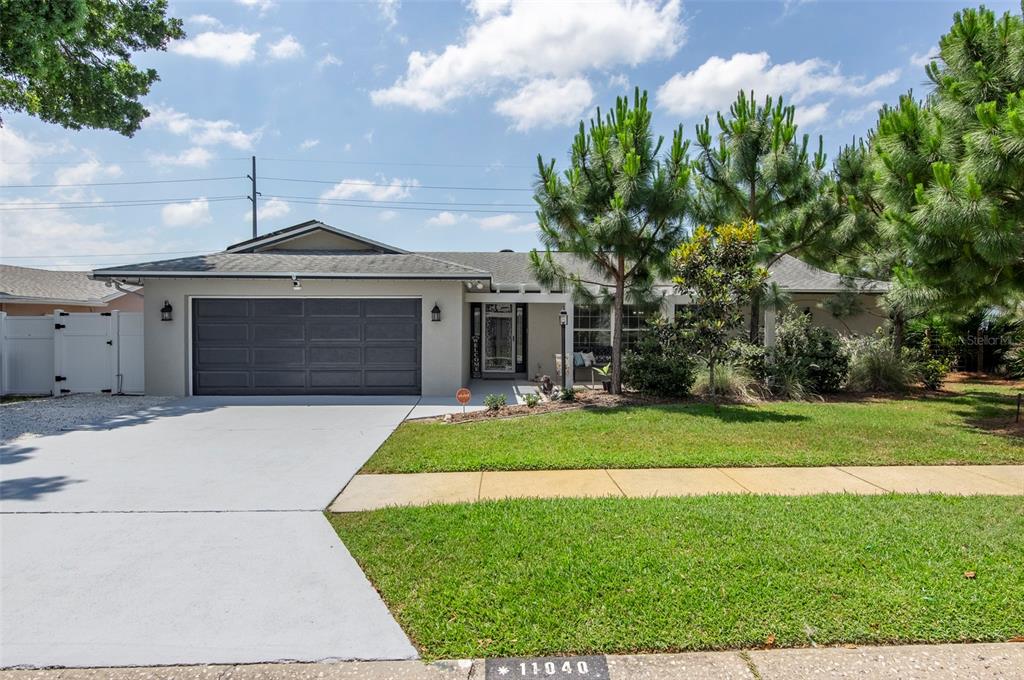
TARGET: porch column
(568,371)
(769,327)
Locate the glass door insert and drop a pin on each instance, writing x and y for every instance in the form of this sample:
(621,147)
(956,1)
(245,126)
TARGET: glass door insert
(499,338)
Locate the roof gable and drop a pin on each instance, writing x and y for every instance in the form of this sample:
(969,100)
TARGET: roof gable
(313,236)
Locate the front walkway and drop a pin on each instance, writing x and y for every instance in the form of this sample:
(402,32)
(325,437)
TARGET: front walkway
(368,492)
(909,662)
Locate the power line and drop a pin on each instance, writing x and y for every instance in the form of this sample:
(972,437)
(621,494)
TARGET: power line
(116,184)
(312,200)
(360,183)
(20,207)
(454,206)
(392,163)
(150,161)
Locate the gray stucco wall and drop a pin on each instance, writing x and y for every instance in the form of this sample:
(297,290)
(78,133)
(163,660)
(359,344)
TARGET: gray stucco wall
(167,343)
(862,323)
(543,339)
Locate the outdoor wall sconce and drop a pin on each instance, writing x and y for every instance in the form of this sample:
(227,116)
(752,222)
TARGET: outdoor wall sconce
(166,312)
(435,313)
(296,284)
(563,317)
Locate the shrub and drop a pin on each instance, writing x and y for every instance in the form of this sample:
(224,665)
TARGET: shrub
(933,372)
(567,394)
(531,399)
(494,402)
(875,366)
(1014,361)
(732,381)
(805,360)
(660,363)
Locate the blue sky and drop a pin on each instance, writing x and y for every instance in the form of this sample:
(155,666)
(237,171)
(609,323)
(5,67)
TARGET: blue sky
(420,122)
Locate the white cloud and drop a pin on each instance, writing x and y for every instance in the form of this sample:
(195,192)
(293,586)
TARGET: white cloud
(272,209)
(228,48)
(26,234)
(522,40)
(189,214)
(619,81)
(348,146)
(446,219)
(204,20)
(508,223)
(199,131)
(378,190)
(808,115)
(18,153)
(262,5)
(714,84)
(89,171)
(546,103)
(328,60)
(925,58)
(487,8)
(308,144)
(858,114)
(285,48)
(369,137)
(389,11)
(387,215)
(193,157)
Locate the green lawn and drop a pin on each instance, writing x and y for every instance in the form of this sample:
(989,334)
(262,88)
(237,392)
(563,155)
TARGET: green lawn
(930,430)
(626,575)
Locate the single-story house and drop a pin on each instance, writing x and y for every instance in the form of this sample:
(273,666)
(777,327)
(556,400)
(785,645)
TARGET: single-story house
(25,291)
(312,309)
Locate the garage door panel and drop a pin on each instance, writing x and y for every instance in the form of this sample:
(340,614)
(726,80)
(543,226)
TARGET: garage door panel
(376,330)
(327,356)
(279,356)
(222,332)
(306,346)
(339,379)
(401,308)
(333,307)
(391,378)
(278,307)
(276,379)
(336,330)
(222,380)
(393,355)
(222,356)
(279,332)
(220,309)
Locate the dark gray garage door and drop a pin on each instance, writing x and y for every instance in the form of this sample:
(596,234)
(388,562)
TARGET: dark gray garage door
(305,346)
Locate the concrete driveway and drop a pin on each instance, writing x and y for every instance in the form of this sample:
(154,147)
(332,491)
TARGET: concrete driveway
(191,533)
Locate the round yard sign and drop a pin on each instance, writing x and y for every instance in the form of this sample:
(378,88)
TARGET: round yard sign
(463,395)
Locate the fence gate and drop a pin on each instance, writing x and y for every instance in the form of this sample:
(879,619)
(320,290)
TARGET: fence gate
(77,352)
(84,354)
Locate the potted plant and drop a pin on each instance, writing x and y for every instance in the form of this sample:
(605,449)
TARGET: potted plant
(606,376)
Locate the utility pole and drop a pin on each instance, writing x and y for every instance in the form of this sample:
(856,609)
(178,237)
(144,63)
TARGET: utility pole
(254,195)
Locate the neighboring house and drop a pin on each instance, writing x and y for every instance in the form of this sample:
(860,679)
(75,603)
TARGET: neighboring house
(32,292)
(316,310)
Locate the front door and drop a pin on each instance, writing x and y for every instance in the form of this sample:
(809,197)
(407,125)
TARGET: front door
(499,337)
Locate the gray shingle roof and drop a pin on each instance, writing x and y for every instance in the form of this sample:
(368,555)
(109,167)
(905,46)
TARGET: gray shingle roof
(513,269)
(25,284)
(307,263)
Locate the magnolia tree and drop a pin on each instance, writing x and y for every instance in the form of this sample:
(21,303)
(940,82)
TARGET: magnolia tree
(718,268)
(618,209)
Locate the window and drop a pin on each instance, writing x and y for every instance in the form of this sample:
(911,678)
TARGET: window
(634,321)
(591,328)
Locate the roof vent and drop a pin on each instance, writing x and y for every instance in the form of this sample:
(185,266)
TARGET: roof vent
(506,250)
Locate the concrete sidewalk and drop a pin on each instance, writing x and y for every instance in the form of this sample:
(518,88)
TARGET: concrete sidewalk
(1004,661)
(368,492)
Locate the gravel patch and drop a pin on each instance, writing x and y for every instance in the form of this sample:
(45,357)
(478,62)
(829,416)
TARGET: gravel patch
(52,415)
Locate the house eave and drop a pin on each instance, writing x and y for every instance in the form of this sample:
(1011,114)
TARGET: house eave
(137,274)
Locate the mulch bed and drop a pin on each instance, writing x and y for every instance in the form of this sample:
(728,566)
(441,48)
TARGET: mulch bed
(585,398)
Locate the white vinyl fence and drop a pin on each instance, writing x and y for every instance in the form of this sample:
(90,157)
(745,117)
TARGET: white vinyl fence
(71,352)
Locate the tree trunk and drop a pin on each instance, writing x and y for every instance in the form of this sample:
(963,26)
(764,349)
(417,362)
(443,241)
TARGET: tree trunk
(899,329)
(980,357)
(755,318)
(617,305)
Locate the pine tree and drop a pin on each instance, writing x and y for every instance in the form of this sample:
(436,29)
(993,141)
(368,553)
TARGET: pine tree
(756,168)
(620,208)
